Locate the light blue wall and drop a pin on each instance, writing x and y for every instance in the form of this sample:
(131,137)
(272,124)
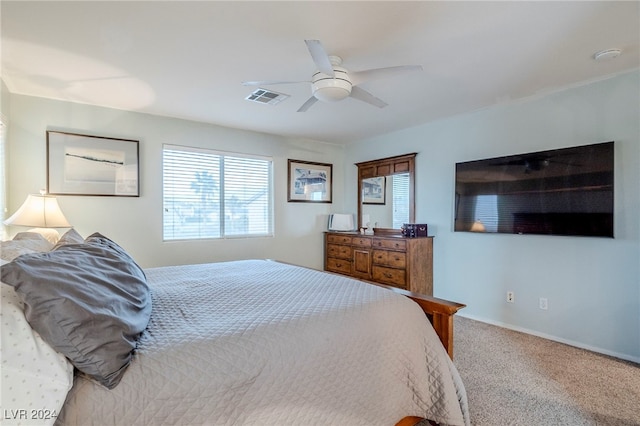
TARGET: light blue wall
(592,284)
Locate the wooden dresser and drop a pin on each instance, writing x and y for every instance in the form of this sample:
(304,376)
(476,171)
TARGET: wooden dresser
(394,260)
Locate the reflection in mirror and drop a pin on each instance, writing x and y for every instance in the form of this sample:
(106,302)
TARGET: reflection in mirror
(385,201)
(386,192)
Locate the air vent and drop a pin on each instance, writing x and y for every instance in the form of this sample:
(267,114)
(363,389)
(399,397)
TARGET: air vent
(263,96)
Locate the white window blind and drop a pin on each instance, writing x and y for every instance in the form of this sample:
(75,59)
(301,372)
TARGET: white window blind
(400,184)
(208,194)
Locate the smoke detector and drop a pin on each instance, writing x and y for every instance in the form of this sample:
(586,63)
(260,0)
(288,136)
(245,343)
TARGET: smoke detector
(264,96)
(607,54)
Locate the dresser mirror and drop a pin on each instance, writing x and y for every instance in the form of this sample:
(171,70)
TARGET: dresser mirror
(386,191)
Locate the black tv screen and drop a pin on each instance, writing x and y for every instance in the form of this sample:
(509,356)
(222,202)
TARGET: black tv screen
(566,191)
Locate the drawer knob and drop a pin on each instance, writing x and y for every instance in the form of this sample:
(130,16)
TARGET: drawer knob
(387,275)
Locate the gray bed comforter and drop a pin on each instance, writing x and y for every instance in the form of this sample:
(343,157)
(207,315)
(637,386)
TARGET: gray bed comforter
(263,343)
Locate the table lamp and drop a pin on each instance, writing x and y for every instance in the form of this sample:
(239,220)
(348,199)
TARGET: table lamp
(41,212)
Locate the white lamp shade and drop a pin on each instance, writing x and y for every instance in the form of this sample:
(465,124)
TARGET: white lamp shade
(341,222)
(41,211)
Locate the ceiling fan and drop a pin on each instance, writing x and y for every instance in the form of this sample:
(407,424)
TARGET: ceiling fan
(331,82)
(536,163)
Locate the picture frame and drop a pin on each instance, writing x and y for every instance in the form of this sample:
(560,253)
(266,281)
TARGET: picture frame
(309,182)
(80,164)
(374,190)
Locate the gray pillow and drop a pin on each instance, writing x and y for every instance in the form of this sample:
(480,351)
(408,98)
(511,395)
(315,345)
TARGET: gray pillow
(70,237)
(89,301)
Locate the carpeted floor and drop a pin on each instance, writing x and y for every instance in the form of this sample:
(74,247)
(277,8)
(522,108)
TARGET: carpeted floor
(514,378)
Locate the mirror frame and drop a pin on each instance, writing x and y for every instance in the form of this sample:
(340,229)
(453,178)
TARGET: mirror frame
(387,167)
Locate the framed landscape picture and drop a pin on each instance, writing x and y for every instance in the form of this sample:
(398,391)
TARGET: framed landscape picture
(309,182)
(92,165)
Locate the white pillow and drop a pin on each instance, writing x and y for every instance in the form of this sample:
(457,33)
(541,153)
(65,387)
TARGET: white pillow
(35,378)
(49,234)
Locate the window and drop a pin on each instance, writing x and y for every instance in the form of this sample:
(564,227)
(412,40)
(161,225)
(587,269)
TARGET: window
(208,194)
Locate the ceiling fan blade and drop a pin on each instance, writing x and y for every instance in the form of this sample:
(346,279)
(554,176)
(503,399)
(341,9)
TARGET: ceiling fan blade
(312,100)
(267,82)
(372,74)
(320,57)
(364,96)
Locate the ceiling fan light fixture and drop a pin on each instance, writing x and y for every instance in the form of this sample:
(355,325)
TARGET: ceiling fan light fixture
(331,93)
(331,89)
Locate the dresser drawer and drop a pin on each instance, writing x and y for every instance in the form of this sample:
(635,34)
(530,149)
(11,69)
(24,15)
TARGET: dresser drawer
(395,259)
(361,241)
(391,243)
(394,277)
(339,239)
(338,251)
(339,265)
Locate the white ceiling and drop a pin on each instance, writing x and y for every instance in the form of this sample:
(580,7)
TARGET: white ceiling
(188,59)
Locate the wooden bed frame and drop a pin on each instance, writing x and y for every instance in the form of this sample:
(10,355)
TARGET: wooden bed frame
(439,311)
(410,421)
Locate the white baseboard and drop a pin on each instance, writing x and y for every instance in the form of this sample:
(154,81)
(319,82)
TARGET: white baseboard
(625,357)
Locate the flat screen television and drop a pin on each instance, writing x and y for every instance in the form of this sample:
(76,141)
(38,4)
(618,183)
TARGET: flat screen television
(566,191)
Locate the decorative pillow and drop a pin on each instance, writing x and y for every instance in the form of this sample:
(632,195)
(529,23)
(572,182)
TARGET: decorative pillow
(33,373)
(89,301)
(23,243)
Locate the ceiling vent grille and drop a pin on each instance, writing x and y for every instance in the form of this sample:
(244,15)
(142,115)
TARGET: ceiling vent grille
(263,96)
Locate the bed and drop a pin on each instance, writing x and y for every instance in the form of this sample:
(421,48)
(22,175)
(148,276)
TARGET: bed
(265,343)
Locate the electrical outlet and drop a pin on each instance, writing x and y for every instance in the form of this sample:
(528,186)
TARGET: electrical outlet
(510,297)
(543,303)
